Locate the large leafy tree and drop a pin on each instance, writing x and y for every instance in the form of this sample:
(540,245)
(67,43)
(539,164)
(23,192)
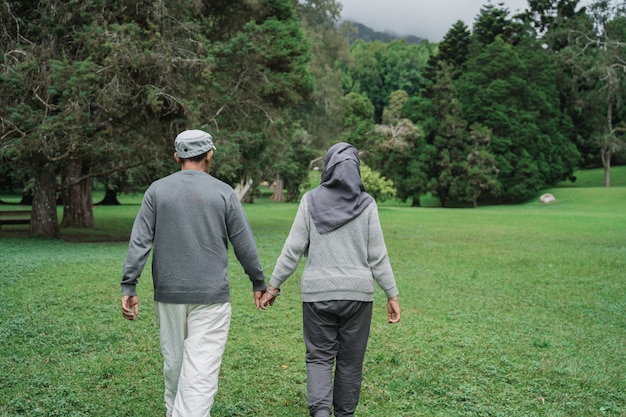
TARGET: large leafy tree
(400,153)
(512,90)
(366,74)
(481,173)
(288,160)
(358,120)
(494,21)
(378,69)
(64,105)
(320,115)
(556,21)
(549,16)
(262,71)
(453,50)
(86,85)
(449,140)
(595,60)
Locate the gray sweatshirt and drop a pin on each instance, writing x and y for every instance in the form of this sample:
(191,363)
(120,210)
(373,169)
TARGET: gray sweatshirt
(187,218)
(342,264)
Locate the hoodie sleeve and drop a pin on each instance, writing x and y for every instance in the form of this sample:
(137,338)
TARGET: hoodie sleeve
(295,247)
(377,255)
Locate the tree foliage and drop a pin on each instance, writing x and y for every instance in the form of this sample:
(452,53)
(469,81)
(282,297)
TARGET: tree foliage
(94,93)
(398,151)
(379,69)
(96,83)
(594,57)
(512,90)
(376,185)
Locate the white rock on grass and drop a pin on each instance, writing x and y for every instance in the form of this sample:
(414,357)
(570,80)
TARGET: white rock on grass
(547,198)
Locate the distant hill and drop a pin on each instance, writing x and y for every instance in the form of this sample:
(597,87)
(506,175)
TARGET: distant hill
(367,34)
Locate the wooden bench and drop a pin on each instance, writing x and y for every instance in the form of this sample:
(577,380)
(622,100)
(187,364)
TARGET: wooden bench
(14,217)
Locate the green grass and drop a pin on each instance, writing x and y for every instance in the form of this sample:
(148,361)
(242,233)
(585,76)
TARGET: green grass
(595,178)
(507,311)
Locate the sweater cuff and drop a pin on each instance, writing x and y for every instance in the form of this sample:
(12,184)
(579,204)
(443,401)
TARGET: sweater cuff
(275,282)
(259,285)
(129,289)
(392,292)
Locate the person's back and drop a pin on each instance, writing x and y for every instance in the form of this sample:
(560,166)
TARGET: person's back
(341,264)
(338,230)
(187,219)
(196,215)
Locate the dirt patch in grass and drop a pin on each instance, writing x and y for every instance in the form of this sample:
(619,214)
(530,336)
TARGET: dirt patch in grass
(22,232)
(93,238)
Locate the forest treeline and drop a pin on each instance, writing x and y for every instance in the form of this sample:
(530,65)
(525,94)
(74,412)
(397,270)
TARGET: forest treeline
(365,33)
(93,93)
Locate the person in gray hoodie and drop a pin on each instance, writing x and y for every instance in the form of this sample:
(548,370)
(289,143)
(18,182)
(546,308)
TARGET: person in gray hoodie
(338,230)
(187,220)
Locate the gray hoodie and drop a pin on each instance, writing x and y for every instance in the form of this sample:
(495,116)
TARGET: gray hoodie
(342,264)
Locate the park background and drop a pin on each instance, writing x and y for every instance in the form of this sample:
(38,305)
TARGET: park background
(93,93)
(508,310)
(511,307)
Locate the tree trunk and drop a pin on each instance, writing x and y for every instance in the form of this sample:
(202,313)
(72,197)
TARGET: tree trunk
(242,190)
(77,197)
(278,189)
(27,199)
(415,201)
(606,149)
(110,198)
(606,163)
(44,221)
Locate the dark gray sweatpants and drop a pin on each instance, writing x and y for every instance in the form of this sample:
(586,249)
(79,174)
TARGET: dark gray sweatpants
(335,331)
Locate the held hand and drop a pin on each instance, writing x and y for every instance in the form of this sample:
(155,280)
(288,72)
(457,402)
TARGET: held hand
(268,298)
(393,310)
(130,306)
(257,298)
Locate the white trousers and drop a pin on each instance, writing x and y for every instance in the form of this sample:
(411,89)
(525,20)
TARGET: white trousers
(193,338)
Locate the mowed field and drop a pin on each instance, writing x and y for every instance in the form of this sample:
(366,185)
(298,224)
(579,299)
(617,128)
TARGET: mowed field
(516,310)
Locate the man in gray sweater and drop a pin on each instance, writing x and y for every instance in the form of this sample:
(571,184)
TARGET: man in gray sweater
(187,219)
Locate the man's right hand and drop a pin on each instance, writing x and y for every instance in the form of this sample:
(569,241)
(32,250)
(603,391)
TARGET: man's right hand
(130,306)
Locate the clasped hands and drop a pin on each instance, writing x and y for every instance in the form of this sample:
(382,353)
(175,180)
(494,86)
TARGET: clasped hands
(266,298)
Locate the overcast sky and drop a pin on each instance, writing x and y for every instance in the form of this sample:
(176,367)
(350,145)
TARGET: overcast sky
(429,19)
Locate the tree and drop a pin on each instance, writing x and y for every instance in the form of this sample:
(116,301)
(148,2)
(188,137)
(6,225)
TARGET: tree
(493,22)
(320,114)
(453,50)
(480,168)
(403,66)
(596,58)
(73,84)
(263,72)
(512,91)
(549,16)
(366,73)
(86,85)
(289,154)
(376,185)
(449,140)
(399,152)
(358,120)
(379,69)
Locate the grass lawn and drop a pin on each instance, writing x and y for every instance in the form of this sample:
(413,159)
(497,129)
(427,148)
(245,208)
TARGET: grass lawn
(507,311)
